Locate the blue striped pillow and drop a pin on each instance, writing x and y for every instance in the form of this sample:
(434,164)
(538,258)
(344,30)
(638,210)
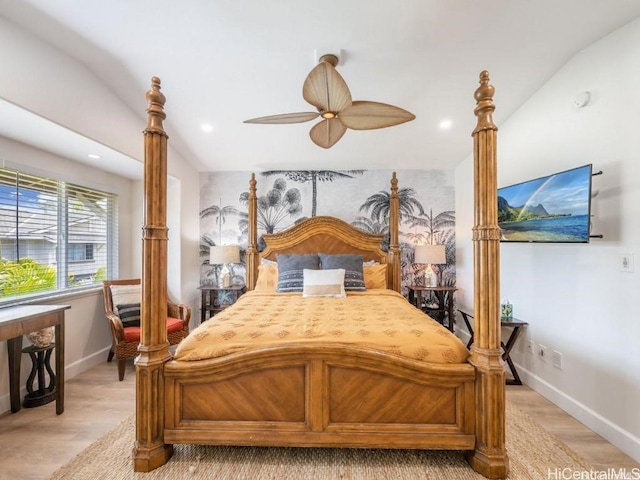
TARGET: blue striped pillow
(291,268)
(353,267)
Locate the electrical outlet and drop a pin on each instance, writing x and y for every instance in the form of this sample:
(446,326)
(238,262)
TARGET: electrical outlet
(626,262)
(556,359)
(531,347)
(542,352)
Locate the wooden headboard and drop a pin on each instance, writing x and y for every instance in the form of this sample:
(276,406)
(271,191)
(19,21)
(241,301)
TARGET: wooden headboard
(325,234)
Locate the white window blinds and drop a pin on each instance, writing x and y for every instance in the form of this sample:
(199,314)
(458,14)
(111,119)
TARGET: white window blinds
(53,235)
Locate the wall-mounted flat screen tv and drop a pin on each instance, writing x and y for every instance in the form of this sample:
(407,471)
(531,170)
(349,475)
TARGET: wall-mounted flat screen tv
(552,209)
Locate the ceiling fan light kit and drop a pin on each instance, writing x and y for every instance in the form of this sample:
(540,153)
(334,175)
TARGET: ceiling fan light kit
(325,89)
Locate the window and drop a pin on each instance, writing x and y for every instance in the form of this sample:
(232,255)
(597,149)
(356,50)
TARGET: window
(80,252)
(54,236)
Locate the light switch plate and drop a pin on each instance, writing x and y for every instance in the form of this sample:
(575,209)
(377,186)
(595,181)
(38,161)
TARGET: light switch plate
(627,262)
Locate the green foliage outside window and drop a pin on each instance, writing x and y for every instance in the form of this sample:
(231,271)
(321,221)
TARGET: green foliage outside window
(25,276)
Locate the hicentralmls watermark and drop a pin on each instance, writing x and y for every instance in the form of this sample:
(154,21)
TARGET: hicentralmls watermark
(608,474)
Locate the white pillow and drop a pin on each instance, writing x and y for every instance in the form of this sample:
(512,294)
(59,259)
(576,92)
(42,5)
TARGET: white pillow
(323,283)
(125,294)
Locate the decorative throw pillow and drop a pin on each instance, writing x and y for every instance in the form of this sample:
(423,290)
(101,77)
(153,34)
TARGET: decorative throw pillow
(267,278)
(324,283)
(375,276)
(290,270)
(266,261)
(352,264)
(125,294)
(129,313)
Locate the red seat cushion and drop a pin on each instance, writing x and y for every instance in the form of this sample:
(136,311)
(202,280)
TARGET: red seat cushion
(132,334)
(174,324)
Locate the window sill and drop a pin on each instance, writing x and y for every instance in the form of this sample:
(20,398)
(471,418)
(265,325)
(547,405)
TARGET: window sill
(54,297)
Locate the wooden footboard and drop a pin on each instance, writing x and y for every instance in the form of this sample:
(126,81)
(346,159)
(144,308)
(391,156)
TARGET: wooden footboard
(320,397)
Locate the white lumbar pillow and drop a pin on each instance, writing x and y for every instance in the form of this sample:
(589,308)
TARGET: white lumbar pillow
(323,283)
(125,294)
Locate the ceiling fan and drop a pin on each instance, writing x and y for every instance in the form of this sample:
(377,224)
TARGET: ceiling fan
(326,90)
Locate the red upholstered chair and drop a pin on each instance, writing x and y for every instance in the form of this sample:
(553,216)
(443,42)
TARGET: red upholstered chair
(126,337)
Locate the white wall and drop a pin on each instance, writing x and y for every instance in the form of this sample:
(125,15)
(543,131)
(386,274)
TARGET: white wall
(88,336)
(43,80)
(575,298)
(46,81)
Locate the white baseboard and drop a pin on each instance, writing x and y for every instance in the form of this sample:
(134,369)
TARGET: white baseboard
(72,370)
(76,368)
(613,433)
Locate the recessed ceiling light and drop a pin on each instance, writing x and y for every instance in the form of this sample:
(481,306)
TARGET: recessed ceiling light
(94,156)
(446,124)
(207,127)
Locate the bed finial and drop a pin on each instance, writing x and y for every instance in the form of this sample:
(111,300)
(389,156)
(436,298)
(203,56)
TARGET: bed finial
(155,108)
(484,104)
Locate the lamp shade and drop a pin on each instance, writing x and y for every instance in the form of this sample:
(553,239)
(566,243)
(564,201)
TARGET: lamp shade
(219,255)
(430,254)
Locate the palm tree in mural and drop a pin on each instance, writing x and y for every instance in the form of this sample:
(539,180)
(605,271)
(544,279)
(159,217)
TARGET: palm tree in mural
(206,242)
(370,226)
(220,213)
(274,207)
(437,227)
(314,176)
(379,204)
(416,238)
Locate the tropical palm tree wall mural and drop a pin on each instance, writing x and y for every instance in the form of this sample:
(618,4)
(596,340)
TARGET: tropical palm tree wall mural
(379,203)
(276,206)
(360,197)
(439,229)
(314,176)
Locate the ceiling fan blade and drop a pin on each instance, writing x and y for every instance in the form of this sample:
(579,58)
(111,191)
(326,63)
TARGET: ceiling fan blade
(326,133)
(285,118)
(363,115)
(325,89)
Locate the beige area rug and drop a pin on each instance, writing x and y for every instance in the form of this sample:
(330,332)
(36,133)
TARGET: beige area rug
(532,452)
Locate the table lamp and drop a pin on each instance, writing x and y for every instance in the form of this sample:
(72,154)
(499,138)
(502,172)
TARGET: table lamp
(430,255)
(224,255)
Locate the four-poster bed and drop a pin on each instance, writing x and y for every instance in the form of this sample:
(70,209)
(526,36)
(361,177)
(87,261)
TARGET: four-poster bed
(319,394)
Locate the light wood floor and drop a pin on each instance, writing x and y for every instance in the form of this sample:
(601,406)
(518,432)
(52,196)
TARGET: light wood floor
(35,442)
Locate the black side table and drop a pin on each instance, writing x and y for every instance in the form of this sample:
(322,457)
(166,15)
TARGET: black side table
(444,308)
(215,299)
(516,326)
(40,360)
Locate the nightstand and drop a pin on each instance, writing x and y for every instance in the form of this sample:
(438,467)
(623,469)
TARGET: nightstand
(441,309)
(215,299)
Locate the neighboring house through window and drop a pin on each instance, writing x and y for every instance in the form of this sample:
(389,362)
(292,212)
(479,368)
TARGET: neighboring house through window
(54,235)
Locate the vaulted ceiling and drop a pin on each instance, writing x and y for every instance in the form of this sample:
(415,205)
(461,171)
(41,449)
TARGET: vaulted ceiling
(225,61)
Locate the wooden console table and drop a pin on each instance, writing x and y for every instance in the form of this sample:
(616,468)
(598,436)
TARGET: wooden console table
(516,326)
(18,321)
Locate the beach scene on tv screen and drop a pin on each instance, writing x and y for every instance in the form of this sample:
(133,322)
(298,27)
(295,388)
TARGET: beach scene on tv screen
(548,209)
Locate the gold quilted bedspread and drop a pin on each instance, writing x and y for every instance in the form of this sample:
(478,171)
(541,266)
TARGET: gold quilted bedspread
(378,319)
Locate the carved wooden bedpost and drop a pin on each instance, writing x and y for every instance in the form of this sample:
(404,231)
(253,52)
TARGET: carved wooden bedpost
(150,450)
(252,244)
(489,457)
(394,246)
